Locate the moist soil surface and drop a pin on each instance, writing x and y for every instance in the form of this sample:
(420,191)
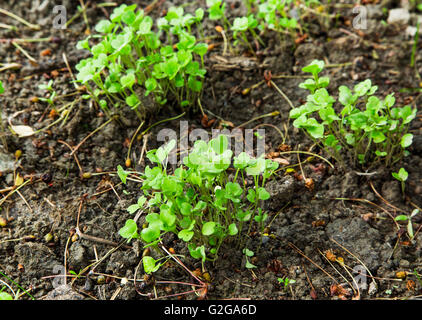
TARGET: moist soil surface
(307,229)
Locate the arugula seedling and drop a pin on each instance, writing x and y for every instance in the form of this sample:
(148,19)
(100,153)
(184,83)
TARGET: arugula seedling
(216,10)
(130,61)
(370,129)
(401,176)
(408,218)
(201,203)
(273,15)
(285,282)
(248,254)
(151,265)
(243,24)
(52,93)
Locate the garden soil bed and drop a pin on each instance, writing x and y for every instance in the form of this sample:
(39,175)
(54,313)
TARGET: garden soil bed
(304,223)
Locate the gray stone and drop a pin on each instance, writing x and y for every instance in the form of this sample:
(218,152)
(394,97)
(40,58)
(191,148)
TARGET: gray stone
(281,192)
(298,233)
(391,191)
(7,162)
(404,264)
(349,187)
(64,292)
(77,259)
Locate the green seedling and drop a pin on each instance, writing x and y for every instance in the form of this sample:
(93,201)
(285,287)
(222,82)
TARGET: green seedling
(416,274)
(51,93)
(243,24)
(138,206)
(248,254)
(1,87)
(273,15)
(285,282)
(408,218)
(401,176)
(131,62)
(216,10)
(200,202)
(370,129)
(151,265)
(4,295)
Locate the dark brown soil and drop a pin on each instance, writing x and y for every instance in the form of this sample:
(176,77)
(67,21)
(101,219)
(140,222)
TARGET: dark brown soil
(304,223)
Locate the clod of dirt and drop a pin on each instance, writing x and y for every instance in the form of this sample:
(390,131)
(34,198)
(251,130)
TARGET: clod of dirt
(362,240)
(350,187)
(281,192)
(300,234)
(121,261)
(7,162)
(78,257)
(374,11)
(37,259)
(416,147)
(64,292)
(307,52)
(391,191)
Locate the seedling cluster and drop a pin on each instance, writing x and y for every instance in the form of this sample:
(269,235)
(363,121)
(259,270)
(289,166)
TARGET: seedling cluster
(202,203)
(370,129)
(280,16)
(131,61)
(134,57)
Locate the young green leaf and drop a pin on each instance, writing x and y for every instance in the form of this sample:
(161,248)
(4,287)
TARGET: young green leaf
(208,228)
(130,230)
(150,264)
(122,174)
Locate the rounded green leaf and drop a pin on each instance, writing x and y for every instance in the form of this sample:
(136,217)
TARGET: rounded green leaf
(219,144)
(185,235)
(104,26)
(240,24)
(263,194)
(200,49)
(129,17)
(130,229)
(150,264)
(5,296)
(406,140)
(128,80)
(208,228)
(233,229)
(314,67)
(151,233)
(132,100)
(146,25)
